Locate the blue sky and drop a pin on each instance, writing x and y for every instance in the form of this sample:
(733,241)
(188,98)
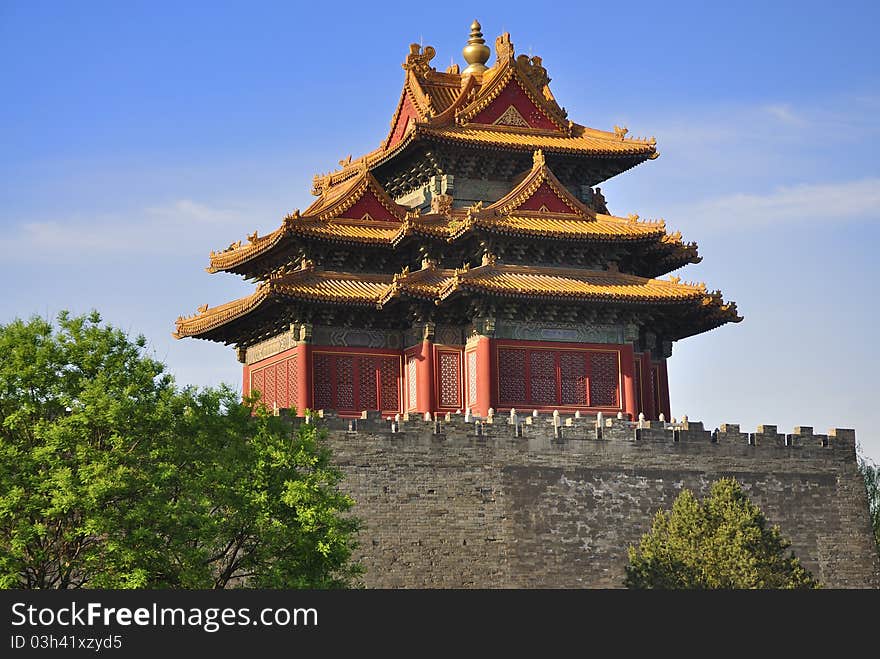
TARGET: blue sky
(136,137)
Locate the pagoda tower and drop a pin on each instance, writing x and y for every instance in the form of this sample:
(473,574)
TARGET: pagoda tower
(469,262)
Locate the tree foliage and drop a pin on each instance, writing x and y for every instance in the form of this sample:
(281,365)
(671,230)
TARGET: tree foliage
(722,541)
(871,474)
(111,476)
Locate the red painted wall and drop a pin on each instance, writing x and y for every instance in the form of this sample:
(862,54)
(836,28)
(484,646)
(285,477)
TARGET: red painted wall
(368,204)
(513,94)
(545,196)
(407,112)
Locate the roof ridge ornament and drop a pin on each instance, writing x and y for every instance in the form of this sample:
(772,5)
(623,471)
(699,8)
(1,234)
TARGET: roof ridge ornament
(476,53)
(538,159)
(620,132)
(533,69)
(418,59)
(291,218)
(503,48)
(474,209)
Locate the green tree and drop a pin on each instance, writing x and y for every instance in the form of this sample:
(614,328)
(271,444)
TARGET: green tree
(871,474)
(722,541)
(111,476)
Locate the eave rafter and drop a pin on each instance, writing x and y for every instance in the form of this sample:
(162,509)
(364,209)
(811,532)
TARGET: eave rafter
(308,284)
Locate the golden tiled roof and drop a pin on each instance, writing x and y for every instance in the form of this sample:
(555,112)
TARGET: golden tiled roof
(433,283)
(567,283)
(207,318)
(332,287)
(348,231)
(442,93)
(505,216)
(513,71)
(321,220)
(604,227)
(520,139)
(445,103)
(425,283)
(237,253)
(335,201)
(491,278)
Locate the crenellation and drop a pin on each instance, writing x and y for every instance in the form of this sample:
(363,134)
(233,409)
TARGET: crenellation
(766,435)
(693,432)
(577,430)
(548,426)
(653,434)
(843,440)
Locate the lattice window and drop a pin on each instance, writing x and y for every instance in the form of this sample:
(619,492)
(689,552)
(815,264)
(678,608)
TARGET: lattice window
(542,381)
(511,376)
(368,398)
(323,382)
(292,380)
(345,383)
(573,373)
(411,381)
(271,394)
(282,385)
(472,377)
(604,379)
(258,383)
(450,379)
(390,383)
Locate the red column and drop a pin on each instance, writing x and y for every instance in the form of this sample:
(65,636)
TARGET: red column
(245,380)
(663,377)
(303,385)
(425,377)
(647,398)
(627,363)
(485,398)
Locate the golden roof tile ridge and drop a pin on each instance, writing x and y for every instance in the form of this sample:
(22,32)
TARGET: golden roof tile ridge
(207,318)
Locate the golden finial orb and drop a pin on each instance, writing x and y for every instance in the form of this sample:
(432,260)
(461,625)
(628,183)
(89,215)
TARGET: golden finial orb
(476,53)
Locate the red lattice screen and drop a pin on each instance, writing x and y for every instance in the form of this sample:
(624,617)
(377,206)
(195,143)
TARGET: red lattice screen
(472,377)
(450,379)
(411,381)
(258,382)
(368,395)
(323,382)
(344,381)
(542,380)
(589,378)
(276,382)
(511,375)
(604,379)
(353,383)
(389,383)
(573,374)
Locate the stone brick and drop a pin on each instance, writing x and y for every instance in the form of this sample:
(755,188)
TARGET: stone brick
(457,510)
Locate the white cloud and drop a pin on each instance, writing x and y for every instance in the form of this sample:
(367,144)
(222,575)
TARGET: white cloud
(786,115)
(181,227)
(831,202)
